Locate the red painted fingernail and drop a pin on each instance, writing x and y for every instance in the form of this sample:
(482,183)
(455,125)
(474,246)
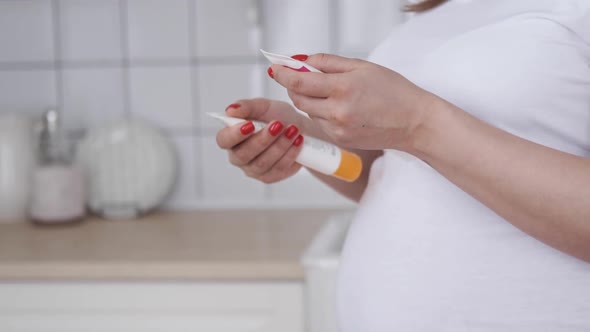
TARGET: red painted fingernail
(247,128)
(291,131)
(298,140)
(232,106)
(269,71)
(275,128)
(300,57)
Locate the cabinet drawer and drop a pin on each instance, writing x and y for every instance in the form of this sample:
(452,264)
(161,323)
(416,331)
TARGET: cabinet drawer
(215,307)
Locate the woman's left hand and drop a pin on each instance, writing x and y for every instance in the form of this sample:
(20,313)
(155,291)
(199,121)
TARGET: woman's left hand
(357,103)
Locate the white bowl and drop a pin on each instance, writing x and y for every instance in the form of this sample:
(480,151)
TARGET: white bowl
(130,168)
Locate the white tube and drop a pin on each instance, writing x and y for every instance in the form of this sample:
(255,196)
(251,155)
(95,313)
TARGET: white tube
(283,60)
(318,155)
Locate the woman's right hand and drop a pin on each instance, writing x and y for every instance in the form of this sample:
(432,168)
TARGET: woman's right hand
(268,155)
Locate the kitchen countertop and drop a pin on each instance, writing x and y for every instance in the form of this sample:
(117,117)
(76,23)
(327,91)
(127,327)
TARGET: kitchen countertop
(222,245)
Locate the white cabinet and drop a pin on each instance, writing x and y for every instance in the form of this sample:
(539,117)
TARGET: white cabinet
(321,262)
(156,306)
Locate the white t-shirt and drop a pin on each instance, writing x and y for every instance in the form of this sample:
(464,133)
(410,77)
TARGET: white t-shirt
(422,255)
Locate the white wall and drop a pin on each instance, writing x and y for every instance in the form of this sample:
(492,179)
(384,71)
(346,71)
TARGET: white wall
(169,61)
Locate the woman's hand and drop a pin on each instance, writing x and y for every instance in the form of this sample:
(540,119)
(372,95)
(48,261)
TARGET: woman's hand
(268,155)
(358,104)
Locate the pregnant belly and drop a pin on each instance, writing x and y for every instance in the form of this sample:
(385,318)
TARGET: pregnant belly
(422,255)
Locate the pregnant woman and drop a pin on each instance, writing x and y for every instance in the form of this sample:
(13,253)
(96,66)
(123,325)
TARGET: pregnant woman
(473,123)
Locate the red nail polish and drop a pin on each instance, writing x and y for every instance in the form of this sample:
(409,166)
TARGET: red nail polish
(298,140)
(232,106)
(270,73)
(291,131)
(247,128)
(300,57)
(275,128)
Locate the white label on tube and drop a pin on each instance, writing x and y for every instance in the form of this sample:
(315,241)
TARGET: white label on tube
(315,154)
(319,155)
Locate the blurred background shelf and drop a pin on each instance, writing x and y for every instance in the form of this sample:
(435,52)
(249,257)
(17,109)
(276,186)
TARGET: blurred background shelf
(213,245)
(239,270)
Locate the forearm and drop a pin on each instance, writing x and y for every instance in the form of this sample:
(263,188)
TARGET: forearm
(542,191)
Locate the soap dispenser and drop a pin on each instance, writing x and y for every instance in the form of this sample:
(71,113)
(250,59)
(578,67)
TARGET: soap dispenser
(58,193)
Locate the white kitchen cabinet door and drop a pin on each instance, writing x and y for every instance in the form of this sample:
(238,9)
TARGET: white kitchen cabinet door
(147,307)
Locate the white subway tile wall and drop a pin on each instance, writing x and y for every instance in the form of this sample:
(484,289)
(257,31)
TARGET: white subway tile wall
(27,90)
(222,84)
(26,32)
(170,61)
(224,28)
(222,184)
(364,24)
(158,29)
(162,95)
(90,30)
(92,96)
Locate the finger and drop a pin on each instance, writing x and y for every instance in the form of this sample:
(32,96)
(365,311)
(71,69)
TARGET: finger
(330,63)
(273,177)
(267,160)
(309,84)
(285,167)
(229,137)
(249,149)
(285,164)
(257,109)
(314,107)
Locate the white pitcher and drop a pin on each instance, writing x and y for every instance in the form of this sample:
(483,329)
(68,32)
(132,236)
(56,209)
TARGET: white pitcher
(17,151)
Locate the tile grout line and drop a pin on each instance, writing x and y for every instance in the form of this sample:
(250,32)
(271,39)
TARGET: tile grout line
(334,24)
(107,63)
(196,146)
(267,193)
(57,67)
(124,40)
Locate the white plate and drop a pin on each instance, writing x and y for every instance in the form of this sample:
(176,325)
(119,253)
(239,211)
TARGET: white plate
(130,168)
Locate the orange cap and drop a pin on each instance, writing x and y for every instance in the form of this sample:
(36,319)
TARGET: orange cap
(350,167)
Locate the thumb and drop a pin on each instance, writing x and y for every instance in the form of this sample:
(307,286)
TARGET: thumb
(251,109)
(330,63)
